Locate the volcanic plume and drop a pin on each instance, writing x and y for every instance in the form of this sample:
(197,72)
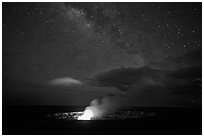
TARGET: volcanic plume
(99,108)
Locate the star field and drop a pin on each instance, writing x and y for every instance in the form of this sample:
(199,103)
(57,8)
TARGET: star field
(46,40)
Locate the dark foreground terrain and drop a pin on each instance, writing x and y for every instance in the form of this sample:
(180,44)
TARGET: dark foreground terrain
(167,121)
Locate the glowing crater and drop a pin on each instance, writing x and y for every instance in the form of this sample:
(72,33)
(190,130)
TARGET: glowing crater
(88,114)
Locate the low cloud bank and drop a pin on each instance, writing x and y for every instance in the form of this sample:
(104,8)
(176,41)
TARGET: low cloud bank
(66,81)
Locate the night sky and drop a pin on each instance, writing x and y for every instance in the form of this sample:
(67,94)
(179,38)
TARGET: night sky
(142,54)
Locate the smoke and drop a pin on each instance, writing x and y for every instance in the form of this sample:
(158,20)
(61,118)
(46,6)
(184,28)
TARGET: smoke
(103,106)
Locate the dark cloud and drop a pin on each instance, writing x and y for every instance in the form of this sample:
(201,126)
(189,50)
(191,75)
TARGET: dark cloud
(187,84)
(145,85)
(125,78)
(154,84)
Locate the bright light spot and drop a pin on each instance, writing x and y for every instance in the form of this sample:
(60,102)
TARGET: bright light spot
(88,25)
(88,114)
